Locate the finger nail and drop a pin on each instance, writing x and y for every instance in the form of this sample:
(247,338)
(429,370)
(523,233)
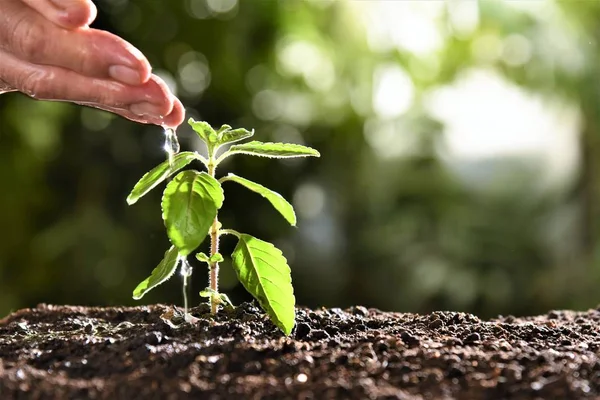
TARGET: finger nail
(67,4)
(126,75)
(145,109)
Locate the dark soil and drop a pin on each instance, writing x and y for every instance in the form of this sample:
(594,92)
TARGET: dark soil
(53,352)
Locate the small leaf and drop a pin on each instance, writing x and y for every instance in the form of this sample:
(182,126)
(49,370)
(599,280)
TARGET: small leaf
(219,298)
(264,272)
(160,274)
(204,131)
(158,174)
(274,150)
(190,203)
(224,299)
(235,135)
(216,258)
(222,129)
(202,257)
(277,200)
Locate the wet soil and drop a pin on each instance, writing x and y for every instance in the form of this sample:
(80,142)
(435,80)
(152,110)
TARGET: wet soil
(56,352)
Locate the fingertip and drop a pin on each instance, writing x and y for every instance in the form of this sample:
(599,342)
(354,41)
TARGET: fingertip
(177,115)
(68,14)
(135,59)
(159,94)
(144,69)
(77,14)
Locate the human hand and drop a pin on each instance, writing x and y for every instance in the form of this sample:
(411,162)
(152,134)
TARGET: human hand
(48,52)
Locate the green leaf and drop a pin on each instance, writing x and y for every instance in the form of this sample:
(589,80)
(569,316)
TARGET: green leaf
(274,150)
(160,274)
(224,299)
(202,257)
(277,200)
(264,272)
(204,131)
(220,298)
(222,129)
(235,135)
(158,174)
(216,258)
(189,204)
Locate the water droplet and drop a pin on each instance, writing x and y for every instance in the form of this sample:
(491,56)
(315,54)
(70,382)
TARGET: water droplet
(171,144)
(186,268)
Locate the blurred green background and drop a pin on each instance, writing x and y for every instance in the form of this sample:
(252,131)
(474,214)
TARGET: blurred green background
(460,151)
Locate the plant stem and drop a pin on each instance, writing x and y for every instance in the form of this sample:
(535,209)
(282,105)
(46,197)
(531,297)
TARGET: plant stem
(214,249)
(229,232)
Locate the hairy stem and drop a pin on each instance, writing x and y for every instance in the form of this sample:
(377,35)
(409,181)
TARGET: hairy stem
(214,249)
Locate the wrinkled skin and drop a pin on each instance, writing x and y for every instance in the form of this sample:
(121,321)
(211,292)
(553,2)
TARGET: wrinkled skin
(48,52)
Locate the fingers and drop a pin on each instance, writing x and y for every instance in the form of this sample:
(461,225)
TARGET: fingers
(69,14)
(177,115)
(90,52)
(151,102)
(48,52)
(173,120)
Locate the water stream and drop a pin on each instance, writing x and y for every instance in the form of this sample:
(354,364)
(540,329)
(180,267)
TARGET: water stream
(185,271)
(172,147)
(171,144)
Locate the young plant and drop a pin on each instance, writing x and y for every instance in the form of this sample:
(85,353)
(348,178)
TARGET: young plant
(190,205)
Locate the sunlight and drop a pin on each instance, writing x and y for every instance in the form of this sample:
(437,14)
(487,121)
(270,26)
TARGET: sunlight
(488,117)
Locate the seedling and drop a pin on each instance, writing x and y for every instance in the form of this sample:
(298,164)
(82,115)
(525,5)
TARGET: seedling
(190,206)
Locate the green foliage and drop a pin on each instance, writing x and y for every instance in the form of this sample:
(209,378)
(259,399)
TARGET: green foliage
(264,272)
(230,136)
(277,200)
(158,174)
(272,150)
(190,205)
(215,258)
(220,298)
(202,257)
(205,132)
(215,139)
(161,273)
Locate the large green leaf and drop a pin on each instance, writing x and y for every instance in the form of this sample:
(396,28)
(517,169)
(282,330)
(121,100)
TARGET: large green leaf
(264,272)
(204,130)
(234,135)
(158,174)
(273,150)
(189,204)
(161,273)
(274,198)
